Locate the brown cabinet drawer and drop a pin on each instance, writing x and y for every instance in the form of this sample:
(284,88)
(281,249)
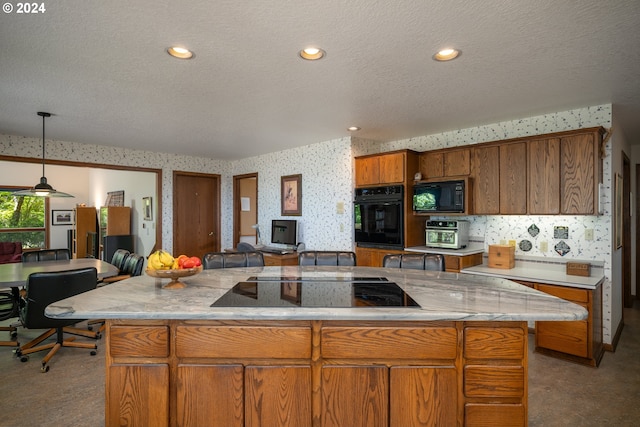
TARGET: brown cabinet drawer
(494,415)
(389,343)
(139,341)
(243,342)
(571,294)
(494,381)
(494,343)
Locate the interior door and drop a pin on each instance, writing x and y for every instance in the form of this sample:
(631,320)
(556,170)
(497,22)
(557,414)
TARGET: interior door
(196,213)
(245,208)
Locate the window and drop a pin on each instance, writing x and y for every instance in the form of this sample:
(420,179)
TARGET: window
(23,219)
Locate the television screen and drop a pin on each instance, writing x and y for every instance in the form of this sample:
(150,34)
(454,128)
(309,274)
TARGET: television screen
(284,231)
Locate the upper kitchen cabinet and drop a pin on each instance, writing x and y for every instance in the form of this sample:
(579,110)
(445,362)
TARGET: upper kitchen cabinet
(581,172)
(486,180)
(564,172)
(445,163)
(513,178)
(544,176)
(387,168)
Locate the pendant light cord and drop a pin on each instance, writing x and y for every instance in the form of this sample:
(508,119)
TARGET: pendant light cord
(43,116)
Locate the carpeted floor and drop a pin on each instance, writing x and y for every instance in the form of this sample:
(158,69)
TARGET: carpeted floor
(560,393)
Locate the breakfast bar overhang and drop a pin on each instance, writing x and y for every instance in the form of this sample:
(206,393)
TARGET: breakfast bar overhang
(317,346)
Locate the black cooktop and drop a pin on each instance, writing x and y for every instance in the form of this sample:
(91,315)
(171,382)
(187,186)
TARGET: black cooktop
(316,292)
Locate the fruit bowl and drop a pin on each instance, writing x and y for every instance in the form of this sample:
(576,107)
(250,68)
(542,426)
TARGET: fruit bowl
(174,275)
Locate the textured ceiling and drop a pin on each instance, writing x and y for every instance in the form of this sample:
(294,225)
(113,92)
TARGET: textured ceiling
(101,69)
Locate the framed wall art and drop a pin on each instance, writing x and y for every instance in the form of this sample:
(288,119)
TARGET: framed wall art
(62,217)
(291,195)
(147,208)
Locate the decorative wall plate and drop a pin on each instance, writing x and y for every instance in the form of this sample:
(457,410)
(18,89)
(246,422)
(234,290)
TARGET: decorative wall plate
(533,230)
(560,232)
(525,245)
(562,248)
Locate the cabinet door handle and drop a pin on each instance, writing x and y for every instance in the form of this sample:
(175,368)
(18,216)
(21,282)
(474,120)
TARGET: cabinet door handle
(211,234)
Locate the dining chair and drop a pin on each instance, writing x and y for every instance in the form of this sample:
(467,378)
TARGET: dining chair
(43,289)
(46,255)
(245,247)
(327,258)
(414,261)
(213,260)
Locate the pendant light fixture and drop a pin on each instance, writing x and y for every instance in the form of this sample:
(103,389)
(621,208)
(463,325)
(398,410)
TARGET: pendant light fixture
(42,189)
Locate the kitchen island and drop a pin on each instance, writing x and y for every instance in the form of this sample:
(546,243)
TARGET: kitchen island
(317,346)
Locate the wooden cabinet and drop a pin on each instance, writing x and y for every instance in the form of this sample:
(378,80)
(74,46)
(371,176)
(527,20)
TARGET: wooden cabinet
(579,341)
(564,173)
(513,178)
(115,220)
(486,180)
(445,163)
(580,173)
(315,373)
(381,169)
(543,176)
(86,222)
(372,257)
(455,263)
(271,259)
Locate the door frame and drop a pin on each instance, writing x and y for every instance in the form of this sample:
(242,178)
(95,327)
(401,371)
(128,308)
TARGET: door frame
(237,204)
(627,298)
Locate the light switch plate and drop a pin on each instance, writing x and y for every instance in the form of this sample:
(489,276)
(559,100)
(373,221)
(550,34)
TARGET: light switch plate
(588,234)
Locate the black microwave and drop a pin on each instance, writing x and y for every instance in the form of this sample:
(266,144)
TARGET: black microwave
(434,197)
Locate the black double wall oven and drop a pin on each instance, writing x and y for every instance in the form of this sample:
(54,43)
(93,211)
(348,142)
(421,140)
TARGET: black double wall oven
(379,218)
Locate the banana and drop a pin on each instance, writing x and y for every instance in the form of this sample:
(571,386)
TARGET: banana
(161,260)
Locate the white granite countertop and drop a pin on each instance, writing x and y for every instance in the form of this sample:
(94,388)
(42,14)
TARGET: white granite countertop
(554,274)
(472,248)
(441,295)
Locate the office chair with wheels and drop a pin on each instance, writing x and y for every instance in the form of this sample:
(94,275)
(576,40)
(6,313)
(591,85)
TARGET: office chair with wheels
(9,309)
(232,259)
(327,258)
(47,288)
(433,262)
(46,255)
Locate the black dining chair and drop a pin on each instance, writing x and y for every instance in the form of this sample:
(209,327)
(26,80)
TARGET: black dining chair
(46,255)
(8,310)
(213,260)
(245,247)
(327,258)
(43,289)
(414,261)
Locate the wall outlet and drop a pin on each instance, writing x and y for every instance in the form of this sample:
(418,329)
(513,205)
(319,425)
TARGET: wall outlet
(588,234)
(340,208)
(512,242)
(503,242)
(341,227)
(544,246)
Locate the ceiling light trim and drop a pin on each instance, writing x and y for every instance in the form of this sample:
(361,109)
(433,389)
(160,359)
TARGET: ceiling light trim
(446,54)
(312,53)
(180,52)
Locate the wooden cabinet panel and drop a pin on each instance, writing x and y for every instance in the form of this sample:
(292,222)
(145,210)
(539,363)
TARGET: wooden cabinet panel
(372,257)
(491,415)
(494,381)
(566,337)
(503,343)
(367,171)
(392,168)
(355,396)
(403,343)
(86,222)
(456,162)
(571,294)
(413,393)
(139,341)
(486,180)
(281,394)
(513,178)
(210,395)
(455,263)
(544,176)
(137,395)
(578,177)
(431,165)
(271,259)
(243,341)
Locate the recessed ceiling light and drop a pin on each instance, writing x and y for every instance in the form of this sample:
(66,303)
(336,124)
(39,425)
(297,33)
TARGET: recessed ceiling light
(353,128)
(180,52)
(446,54)
(311,53)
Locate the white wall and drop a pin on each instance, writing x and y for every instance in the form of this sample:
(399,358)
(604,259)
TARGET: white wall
(327,179)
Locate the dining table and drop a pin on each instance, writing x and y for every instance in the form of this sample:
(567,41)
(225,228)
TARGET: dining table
(15,275)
